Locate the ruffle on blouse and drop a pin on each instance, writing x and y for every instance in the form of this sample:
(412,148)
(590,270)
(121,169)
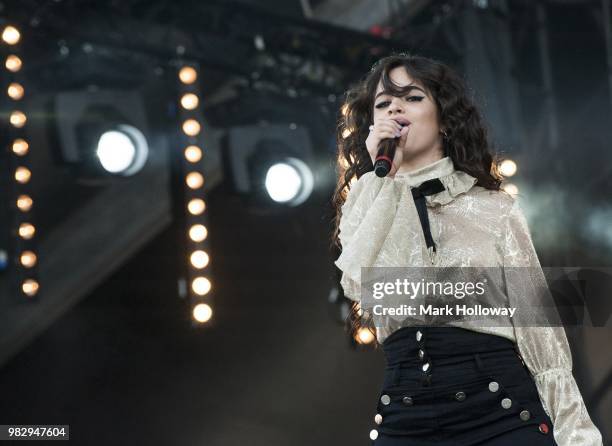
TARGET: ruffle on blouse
(380,224)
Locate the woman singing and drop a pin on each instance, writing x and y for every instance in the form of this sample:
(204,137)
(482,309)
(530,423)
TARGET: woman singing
(441,206)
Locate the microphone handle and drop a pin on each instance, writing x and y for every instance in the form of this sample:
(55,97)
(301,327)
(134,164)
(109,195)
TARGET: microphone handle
(384,157)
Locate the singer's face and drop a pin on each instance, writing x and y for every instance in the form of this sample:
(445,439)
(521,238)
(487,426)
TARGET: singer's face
(418,107)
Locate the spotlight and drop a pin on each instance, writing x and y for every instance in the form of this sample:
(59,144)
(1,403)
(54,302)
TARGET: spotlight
(108,143)
(122,150)
(102,134)
(289,181)
(271,164)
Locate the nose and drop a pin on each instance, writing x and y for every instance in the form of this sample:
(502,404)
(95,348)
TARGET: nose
(396,106)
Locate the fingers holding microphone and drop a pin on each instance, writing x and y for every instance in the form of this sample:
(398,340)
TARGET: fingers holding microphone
(385,134)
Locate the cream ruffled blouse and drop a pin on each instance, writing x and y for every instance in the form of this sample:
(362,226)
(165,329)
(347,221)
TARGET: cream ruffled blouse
(472,227)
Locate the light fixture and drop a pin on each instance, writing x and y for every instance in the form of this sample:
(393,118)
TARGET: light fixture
(507,168)
(22,174)
(194,180)
(289,181)
(24,203)
(123,150)
(29,287)
(15,91)
(201,286)
(11,35)
(199,259)
(188,75)
(102,135)
(26,230)
(17,119)
(189,101)
(202,312)
(13,63)
(20,147)
(191,127)
(198,233)
(193,154)
(196,206)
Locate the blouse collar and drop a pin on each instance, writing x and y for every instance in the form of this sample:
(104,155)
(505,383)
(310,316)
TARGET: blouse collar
(455,182)
(437,169)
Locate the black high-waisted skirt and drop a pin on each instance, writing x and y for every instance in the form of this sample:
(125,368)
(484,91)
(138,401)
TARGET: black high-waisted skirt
(452,386)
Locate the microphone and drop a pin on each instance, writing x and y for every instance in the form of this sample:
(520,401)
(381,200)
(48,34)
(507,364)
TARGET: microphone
(384,157)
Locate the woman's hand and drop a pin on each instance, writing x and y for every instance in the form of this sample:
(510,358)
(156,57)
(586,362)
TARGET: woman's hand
(386,128)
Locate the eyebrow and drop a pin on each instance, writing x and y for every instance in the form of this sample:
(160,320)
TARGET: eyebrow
(410,87)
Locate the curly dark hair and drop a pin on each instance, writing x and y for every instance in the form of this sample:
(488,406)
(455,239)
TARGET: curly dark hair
(466,141)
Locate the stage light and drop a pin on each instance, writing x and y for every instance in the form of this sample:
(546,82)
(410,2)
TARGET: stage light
(122,150)
(283,182)
(196,206)
(26,231)
(189,101)
(27,259)
(193,154)
(289,181)
(202,312)
(24,203)
(198,233)
(201,286)
(188,75)
(20,147)
(270,166)
(15,91)
(364,336)
(30,287)
(512,189)
(507,167)
(11,35)
(116,151)
(22,174)
(13,63)
(199,259)
(191,127)
(18,119)
(101,134)
(194,180)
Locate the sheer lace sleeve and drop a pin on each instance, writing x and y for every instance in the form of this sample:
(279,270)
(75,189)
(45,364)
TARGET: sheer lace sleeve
(545,349)
(367,216)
